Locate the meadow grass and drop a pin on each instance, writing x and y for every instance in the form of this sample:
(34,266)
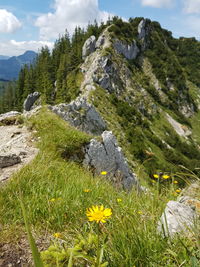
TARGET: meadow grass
(56,192)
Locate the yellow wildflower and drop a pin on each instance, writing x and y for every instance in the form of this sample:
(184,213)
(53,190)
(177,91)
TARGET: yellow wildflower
(140,212)
(178,190)
(86,190)
(98,214)
(57,235)
(103,173)
(52,200)
(175,182)
(156,176)
(119,200)
(165,176)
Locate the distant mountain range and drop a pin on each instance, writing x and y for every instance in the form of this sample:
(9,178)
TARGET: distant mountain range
(4,57)
(10,66)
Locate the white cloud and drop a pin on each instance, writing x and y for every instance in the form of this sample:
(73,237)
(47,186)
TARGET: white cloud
(15,48)
(8,22)
(192,6)
(67,15)
(157,3)
(191,26)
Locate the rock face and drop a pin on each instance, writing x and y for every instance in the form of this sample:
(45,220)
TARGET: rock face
(89,46)
(101,40)
(107,156)
(129,51)
(30,100)
(81,114)
(7,160)
(143,29)
(143,32)
(176,218)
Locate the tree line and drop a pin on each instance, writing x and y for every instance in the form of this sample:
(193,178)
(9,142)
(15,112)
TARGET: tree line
(51,72)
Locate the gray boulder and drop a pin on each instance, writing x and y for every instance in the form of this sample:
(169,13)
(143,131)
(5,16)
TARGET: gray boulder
(30,100)
(89,46)
(81,114)
(7,160)
(176,218)
(107,156)
(129,51)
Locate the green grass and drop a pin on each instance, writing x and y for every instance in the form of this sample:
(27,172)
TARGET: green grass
(53,196)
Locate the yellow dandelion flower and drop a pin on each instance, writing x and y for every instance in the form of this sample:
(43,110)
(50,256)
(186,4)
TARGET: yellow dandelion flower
(119,200)
(57,235)
(140,212)
(86,190)
(165,176)
(103,173)
(178,190)
(52,200)
(98,214)
(156,176)
(175,182)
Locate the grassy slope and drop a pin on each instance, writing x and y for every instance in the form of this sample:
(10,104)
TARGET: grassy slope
(132,238)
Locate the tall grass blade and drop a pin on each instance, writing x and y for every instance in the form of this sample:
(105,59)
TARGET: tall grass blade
(35,253)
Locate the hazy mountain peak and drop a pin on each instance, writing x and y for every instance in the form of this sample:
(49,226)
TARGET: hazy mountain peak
(10,66)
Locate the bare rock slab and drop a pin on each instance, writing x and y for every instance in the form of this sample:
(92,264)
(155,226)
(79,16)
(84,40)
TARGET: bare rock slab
(16,149)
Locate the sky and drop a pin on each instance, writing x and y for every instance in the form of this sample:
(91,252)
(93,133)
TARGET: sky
(31,24)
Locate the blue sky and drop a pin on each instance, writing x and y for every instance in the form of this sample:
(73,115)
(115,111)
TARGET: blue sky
(30,24)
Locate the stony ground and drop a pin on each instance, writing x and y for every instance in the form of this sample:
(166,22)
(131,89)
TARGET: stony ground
(16,139)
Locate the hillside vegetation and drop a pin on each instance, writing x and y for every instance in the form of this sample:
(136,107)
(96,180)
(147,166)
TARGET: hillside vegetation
(141,110)
(151,104)
(56,193)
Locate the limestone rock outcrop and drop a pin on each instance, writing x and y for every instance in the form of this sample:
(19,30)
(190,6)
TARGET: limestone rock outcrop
(182,215)
(129,51)
(81,114)
(107,156)
(143,33)
(30,100)
(143,29)
(176,218)
(89,46)
(100,41)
